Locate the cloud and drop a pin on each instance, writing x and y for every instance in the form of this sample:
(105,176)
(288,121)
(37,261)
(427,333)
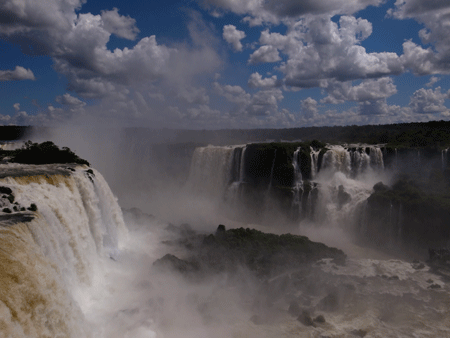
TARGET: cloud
(273,11)
(233,36)
(262,103)
(256,81)
(77,43)
(69,100)
(309,108)
(429,101)
(434,15)
(319,50)
(432,81)
(264,54)
(203,112)
(19,73)
(367,90)
(194,95)
(122,26)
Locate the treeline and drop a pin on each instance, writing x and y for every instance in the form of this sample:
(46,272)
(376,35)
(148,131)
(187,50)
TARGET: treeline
(41,153)
(417,135)
(434,134)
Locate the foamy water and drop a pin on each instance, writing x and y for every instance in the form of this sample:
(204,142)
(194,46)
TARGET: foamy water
(75,271)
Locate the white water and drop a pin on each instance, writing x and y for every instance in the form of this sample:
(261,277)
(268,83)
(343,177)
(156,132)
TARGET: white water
(58,279)
(49,265)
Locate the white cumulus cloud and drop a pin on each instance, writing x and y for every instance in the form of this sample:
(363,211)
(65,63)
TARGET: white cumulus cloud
(19,73)
(233,36)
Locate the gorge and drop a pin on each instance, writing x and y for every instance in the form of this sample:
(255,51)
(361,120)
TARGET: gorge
(76,265)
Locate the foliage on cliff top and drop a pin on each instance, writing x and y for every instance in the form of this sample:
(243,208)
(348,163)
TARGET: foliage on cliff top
(263,253)
(43,153)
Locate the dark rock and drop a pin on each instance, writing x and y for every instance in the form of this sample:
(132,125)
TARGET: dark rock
(32,207)
(5,190)
(330,302)
(172,262)
(257,320)
(305,319)
(320,319)
(439,256)
(434,286)
(294,309)
(418,265)
(343,196)
(359,333)
(380,187)
(220,232)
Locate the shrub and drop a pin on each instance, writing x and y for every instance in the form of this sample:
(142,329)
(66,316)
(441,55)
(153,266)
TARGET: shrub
(7,210)
(45,153)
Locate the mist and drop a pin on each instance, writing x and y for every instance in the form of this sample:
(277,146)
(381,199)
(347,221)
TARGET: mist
(161,192)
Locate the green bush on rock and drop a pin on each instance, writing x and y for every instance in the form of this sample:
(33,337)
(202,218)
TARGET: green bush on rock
(43,153)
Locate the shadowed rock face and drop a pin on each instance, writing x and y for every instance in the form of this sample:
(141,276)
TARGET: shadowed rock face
(8,220)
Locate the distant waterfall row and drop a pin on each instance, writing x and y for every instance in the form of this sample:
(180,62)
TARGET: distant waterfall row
(220,171)
(326,184)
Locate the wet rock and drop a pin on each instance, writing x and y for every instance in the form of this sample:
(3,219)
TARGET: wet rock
(294,309)
(257,320)
(343,197)
(417,265)
(305,319)
(5,190)
(359,333)
(172,262)
(319,319)
(439,256)
(434,286)
(330,302)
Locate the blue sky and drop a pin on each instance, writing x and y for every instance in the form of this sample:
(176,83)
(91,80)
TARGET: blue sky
(209,64)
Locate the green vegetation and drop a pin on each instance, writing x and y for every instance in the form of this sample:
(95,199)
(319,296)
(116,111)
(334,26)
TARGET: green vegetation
(263,253)
(42,153)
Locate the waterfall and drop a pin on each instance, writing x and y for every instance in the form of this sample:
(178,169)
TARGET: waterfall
(49,256)
(298,183)
(314,162)
(337,158)
(271,172)
(211,170)
(444,158)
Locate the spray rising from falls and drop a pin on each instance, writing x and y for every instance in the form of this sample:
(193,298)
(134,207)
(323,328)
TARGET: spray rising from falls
(50,252)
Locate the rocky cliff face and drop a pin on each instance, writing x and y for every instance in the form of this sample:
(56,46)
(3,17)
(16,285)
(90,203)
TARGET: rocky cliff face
(327,184)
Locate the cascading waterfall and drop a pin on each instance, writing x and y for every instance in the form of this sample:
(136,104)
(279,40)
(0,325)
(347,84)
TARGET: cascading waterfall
(298,184)
(228,165)
(207,160)
(314,162)
(444,158)
(48,258)
(337,158)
